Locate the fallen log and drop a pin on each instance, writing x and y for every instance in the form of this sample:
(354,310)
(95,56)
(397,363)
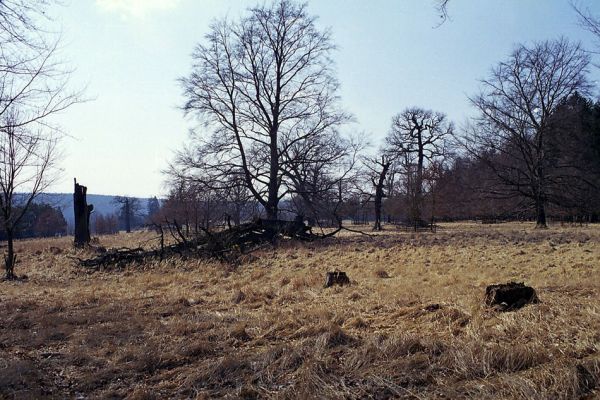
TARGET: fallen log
(226,245)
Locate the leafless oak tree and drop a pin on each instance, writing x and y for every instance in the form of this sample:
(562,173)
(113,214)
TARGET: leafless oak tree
(265,88)
(419,137)
(515,107)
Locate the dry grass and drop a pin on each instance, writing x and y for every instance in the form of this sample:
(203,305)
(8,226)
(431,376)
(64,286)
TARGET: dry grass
(268,328)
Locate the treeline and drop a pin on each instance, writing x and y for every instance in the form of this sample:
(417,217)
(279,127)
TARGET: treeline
(271,138)
(455,185)
(39,220)
(130,215)
(105,224)
(532,152)
(490,182)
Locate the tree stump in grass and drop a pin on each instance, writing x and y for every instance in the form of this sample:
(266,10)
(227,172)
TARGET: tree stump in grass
(509,296)
(336,278)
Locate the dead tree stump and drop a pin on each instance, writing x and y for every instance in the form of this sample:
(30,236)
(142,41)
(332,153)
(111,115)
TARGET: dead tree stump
(510,296)
(82,215)
(336,278)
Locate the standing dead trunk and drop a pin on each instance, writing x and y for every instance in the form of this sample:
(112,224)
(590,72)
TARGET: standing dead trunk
(82,215)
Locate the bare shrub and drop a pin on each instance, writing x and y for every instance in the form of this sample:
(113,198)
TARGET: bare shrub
(381,273)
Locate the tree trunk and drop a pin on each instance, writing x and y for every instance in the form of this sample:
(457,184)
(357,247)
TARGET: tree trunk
(379,192)
(127,216)
(273,188)
(540,209)
(238,214)
(377,226)
(272,202)
(10,257)
(82,215)
(419,184)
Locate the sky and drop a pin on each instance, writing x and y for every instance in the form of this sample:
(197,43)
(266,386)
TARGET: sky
(129,54)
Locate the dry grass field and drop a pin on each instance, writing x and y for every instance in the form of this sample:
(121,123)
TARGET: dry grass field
(268,329)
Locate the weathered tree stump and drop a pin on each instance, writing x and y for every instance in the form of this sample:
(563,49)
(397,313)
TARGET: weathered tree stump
(509,296)
(82,215)
(336,278)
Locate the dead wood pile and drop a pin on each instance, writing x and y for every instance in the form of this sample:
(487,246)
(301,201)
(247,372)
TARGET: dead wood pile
(226,245)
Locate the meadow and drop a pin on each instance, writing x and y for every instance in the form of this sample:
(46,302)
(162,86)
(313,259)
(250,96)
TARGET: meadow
(411,324)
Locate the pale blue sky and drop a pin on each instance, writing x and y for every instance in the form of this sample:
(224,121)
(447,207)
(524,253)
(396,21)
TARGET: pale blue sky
(130,53)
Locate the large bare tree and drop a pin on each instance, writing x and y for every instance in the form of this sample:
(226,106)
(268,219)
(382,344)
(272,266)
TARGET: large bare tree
(515,106)
(418,136)
(264,87)
(33,88)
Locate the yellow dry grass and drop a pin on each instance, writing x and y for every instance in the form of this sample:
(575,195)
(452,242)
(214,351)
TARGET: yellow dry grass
(268,328)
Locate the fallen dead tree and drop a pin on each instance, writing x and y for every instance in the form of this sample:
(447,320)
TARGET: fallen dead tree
(226,245)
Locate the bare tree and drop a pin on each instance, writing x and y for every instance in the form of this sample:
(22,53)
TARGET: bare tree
(515,107)
(263,85)
(21,37)
(378,169)
(130,207)
(27,163)
(197,201)
(419,137)
(321,175)
(33,88)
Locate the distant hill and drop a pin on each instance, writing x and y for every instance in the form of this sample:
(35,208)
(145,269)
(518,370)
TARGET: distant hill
(103,204)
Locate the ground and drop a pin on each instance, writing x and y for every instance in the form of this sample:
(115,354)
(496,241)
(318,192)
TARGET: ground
(412,323)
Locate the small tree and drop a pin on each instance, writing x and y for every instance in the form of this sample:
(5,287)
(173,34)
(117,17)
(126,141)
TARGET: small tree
(32,90)
(27,163)
(129,208)
(152,208)
(378,169)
